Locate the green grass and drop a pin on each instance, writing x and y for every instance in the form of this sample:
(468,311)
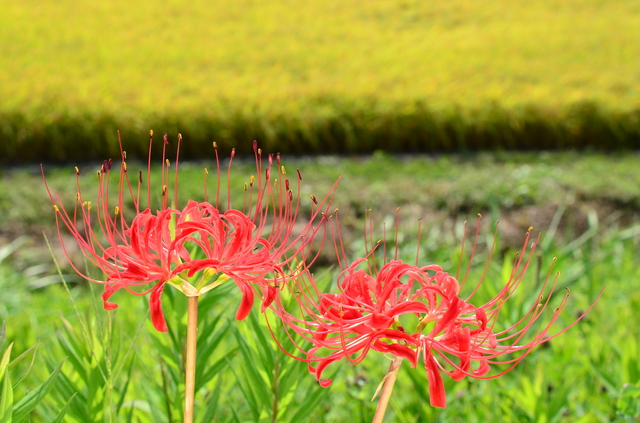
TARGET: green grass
(584,206)
(580,376)
(331,76)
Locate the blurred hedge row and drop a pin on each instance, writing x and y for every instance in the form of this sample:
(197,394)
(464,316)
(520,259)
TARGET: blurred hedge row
(330,128)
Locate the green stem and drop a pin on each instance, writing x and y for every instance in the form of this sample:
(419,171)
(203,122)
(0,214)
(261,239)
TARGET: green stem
(190,366)
(390,380)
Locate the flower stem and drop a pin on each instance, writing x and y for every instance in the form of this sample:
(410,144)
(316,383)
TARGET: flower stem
(389,381)
(190,367)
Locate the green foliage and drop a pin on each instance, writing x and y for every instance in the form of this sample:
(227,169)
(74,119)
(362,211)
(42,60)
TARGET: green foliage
(120,369)
(20,411)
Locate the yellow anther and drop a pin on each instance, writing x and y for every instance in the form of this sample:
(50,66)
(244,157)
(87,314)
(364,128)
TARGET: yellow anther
(77,170)
(479,215)
(124,166)
(275,182)
(246,186)
(98,173)
(124,154)
(397,209)
(179,136)
(530,229)
(253,178)
(56,208)
(336,210)
(164,189)
(259,151)
(77,196)
(89,205)
(215,145)
(556,310)
(117,210)
(150,132)
(84,204)
(568,290)
(206,172)
(539,306)
(284,171)
(168,163)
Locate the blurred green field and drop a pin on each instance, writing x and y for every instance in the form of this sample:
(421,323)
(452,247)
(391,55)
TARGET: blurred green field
(323,76)
(585,207)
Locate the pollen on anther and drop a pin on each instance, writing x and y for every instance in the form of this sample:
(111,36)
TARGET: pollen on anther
(56,208)
(151,132)
(77,170)
(284,171)
(246,186)
(168,162)
(89,205)
(206,172)
(117,210)
(313,198)
(124,166)
(77,196)
(215,145)
(530,229)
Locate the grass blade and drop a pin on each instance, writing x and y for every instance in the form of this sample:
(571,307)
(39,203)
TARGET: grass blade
(26,405)
(63,412)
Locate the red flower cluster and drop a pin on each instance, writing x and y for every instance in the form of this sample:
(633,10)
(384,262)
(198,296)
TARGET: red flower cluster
(253,246)
(416,312)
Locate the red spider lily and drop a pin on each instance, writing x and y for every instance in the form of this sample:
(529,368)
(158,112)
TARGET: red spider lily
(253,246)
(414,311)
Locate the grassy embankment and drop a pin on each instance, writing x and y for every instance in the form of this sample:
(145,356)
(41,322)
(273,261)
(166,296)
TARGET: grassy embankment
(582,376)
(332,76)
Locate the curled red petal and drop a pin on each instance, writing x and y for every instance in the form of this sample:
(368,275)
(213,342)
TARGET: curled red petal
(397,350)
(155,307)
(380,321)
(108,292)
(437,394)
(247,300)
(270,295)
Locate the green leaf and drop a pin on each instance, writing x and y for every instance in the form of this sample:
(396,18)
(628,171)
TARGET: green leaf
(4,362)
(62,413)
(125,388)
(212,404)
(3,336)
(247,393)
(6,400)
(311,401)
(26,405)
(258,384)
(19,359)
(207,375)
